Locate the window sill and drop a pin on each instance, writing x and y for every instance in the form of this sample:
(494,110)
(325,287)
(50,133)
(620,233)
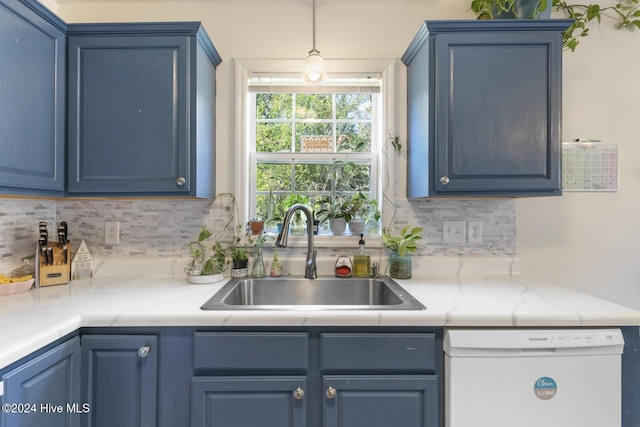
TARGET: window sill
(325,241)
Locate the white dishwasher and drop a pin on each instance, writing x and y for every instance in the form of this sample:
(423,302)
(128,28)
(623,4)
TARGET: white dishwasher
(527,378)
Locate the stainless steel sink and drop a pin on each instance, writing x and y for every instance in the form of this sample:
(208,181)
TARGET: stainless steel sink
(323,293)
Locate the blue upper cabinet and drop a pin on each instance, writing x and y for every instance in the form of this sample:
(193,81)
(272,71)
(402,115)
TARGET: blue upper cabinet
(32,99)
(141,110)
(484,108)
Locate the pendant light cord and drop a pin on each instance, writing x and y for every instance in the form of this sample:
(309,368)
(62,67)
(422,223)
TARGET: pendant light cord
(314,25)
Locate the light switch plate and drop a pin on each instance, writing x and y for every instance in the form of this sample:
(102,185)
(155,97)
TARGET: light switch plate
(453,232)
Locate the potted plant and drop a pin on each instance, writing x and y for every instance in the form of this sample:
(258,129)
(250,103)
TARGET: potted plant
(626,12)
(335,210)
(359,206)
(208,259)
(239,259)
(400,246)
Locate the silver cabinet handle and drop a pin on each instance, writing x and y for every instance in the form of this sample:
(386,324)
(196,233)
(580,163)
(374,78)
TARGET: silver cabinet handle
(181,180)
(331,393)
(298,393)
(444,180)
(143,351)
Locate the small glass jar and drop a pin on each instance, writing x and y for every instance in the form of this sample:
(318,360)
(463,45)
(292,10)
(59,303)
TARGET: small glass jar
(399,266)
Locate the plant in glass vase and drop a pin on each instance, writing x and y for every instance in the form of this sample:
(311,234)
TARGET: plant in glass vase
(208,259)
(400,246)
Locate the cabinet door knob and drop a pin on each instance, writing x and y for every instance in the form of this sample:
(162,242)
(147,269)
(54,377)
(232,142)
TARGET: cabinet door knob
(298,393)
(181,180)
(331,393)
(143,351)
(444,180)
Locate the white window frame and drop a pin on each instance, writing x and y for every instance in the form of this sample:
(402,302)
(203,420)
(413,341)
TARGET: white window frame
(245,172)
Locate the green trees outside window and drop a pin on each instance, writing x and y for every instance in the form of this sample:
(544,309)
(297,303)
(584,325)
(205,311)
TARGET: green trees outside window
(340,162)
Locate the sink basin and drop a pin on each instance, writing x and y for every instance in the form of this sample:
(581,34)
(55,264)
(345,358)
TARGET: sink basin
(323,293)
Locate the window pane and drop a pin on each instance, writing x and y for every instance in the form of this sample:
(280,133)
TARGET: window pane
(355,137)
(353,106)
(313,106)
(312,177)
(273,176)
(274,105)
(314,129)
(354,178)
(270,208)
(273,137)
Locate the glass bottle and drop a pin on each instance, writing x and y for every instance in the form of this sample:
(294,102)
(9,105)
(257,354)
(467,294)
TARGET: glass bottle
(361,261)
(258,269)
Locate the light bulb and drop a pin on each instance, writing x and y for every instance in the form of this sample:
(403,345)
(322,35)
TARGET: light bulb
(314,68)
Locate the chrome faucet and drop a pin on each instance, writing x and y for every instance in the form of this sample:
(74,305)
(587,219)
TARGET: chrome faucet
(310,269)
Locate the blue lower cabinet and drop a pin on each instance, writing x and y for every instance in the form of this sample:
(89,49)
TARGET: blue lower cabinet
(380,401)
(120,380)
(44,391)
(269,401)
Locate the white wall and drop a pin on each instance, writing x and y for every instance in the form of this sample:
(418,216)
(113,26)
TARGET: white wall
(585,241)
(589,241)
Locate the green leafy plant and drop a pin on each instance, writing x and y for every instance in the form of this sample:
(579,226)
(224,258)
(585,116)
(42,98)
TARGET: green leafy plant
(332,207)
(496,9)
(208,255)
(626,13)
(206,258)
(404,242)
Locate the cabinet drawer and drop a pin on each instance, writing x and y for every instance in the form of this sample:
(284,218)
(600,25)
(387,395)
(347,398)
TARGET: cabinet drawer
(265,351)
(378,352)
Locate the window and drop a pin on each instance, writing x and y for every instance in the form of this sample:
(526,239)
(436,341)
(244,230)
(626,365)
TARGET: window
(312,144)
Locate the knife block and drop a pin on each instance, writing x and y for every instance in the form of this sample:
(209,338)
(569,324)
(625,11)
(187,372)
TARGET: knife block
(57,274)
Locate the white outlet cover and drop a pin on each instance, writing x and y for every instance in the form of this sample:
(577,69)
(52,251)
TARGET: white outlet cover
(112,232)
(474,231)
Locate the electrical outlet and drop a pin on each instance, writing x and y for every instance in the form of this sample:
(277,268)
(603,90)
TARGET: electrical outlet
(112,232)
(453,232)
(474,231)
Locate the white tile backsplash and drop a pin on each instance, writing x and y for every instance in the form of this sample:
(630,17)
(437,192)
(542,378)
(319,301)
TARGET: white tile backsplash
(163,228)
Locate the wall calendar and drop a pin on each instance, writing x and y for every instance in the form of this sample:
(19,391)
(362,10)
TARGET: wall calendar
(590,166)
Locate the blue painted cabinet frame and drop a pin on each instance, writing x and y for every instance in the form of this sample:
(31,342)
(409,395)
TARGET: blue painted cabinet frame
(120,380)
(484,108)
(47,387)
(248,401)
(141,113)
(380,401)
(32,99)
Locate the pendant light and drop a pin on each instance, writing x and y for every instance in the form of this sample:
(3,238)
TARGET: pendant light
(314,67)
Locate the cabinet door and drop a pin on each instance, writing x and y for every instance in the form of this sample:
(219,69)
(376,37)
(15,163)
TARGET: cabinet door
(380,401)
(497,126)
(47,388)
(128,115)
(119,380)
(270,401)
(32,100)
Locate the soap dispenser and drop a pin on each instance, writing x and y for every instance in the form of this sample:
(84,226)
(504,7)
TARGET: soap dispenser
(361,261)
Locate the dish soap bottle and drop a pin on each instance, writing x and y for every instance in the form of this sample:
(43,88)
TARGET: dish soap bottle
(361,261)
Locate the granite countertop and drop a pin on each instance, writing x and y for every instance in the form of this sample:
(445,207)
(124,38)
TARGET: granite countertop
(457,292)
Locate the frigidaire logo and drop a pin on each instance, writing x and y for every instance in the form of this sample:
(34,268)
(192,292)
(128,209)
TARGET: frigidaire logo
(545,388)
(538,339)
